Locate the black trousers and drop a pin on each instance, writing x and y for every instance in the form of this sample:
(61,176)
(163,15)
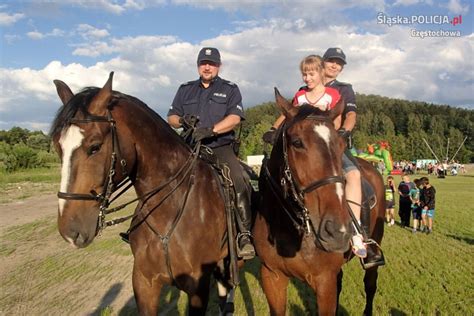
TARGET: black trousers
(241,183)
(405,211)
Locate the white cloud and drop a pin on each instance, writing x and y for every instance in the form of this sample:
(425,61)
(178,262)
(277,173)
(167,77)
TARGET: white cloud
(128,46)
(35,35)
(258,58)
(11,38)
(456,7)
(114,6)
(9,19)
(89,32)
(411,2)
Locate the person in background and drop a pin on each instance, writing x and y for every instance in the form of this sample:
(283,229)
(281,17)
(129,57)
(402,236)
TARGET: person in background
(415,204)
(218,105)
(428,199)
(390,200)
(404,208)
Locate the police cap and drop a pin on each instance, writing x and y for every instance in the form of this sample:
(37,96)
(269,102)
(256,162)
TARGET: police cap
(335,52)
(209,54)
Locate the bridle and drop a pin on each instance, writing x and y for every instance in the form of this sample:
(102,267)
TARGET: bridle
(289,184)
(104,198)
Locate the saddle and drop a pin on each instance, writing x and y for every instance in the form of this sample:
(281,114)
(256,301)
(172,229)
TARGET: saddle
(221,172)
(369,199)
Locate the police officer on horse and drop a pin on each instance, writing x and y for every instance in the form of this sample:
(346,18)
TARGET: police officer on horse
(217,105)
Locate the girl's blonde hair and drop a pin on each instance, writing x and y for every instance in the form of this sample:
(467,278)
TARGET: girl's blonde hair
(312,63)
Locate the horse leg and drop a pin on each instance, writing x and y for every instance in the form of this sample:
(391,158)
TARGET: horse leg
(339,289)
(274,286)
(199,298)
(370,284)
(325,287)
(147,292)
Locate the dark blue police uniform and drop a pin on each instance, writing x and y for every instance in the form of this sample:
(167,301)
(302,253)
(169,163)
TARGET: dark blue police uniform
(211,105)
(347,93)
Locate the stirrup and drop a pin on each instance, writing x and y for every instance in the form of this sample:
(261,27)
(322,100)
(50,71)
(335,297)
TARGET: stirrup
(247,251)
(376,261)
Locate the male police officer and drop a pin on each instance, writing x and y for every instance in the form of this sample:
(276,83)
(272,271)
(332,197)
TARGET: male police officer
(334,60)
(218,105)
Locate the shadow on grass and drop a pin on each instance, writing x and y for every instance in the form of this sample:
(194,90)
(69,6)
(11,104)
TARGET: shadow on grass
(397,312)
(252,267)
(108,298)
(468,240)
(169,297)
(308,298)
(168,303)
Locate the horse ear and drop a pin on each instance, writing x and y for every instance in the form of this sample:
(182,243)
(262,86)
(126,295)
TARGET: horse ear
(64,92)
(101,100)
(288,110)
(337,110)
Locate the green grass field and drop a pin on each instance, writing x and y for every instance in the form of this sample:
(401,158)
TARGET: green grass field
(425,274)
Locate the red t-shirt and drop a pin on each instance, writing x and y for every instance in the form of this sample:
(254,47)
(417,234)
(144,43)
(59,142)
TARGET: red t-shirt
(326,102)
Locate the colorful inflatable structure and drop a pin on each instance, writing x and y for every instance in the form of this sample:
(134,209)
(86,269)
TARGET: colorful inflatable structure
(376,153)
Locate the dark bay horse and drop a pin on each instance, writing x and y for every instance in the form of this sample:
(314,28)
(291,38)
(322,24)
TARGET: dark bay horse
(176,236)
(303,227)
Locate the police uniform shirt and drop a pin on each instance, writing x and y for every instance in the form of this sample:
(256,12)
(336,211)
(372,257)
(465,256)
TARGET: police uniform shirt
(345,89)
(211,105)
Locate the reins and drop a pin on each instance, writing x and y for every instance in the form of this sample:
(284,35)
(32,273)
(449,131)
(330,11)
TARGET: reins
(105,198)
(288,183)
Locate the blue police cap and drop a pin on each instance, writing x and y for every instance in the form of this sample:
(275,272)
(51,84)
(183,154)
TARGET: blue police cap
(209,54)
(335,52)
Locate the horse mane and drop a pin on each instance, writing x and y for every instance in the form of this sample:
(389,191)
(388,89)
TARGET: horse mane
(306,110)
(79,102)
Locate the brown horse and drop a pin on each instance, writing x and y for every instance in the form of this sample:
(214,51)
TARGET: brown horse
(303,226)
(178,228)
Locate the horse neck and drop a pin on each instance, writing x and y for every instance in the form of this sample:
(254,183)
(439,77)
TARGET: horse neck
(160,153)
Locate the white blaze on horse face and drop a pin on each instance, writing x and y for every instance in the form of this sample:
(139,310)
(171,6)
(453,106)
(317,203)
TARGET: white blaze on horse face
(70,140)
(339,191)
(324,132)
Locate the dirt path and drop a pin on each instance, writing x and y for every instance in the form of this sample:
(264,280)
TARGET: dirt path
(28,210)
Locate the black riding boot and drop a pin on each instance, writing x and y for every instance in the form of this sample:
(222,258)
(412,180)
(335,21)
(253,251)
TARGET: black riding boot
(375,256)
(244,220)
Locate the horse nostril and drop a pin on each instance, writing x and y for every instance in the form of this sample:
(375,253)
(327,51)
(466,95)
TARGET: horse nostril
(329,228)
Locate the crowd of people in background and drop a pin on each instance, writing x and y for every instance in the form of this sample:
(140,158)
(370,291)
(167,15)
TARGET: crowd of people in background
(416,200)
(439,169)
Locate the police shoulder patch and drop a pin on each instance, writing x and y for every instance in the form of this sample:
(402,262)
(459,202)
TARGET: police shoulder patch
(340,83)
(188,83)
(230,83)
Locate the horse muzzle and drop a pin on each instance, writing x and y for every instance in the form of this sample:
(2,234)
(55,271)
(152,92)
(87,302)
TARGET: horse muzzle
(78,232)
(333,236)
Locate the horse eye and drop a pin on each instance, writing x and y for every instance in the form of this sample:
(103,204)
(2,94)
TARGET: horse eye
(297,143)
(93,149)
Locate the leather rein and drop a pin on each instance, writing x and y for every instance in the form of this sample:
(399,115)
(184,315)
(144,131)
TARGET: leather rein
(288,184)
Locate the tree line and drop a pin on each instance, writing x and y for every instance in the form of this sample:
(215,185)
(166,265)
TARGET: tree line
(24,149)
(404,124)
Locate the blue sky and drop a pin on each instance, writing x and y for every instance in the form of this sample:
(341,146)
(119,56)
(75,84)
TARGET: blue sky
(152,47)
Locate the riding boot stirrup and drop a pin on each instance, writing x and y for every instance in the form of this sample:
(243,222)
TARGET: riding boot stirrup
(245,249)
